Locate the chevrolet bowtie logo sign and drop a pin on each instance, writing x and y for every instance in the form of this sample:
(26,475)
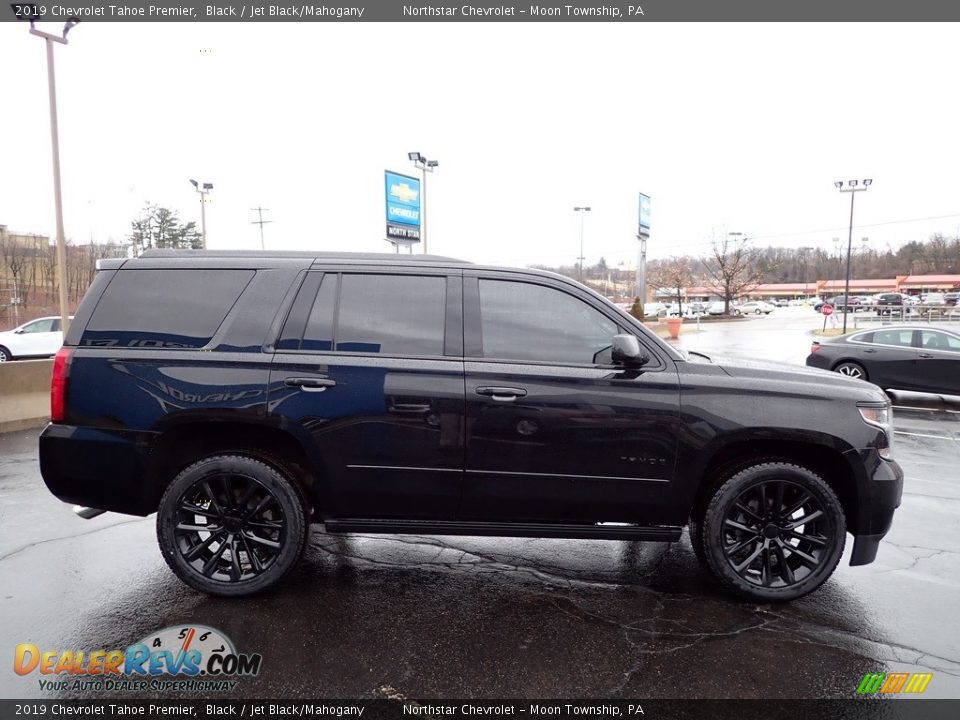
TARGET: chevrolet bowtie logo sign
(403,192)
(893,683)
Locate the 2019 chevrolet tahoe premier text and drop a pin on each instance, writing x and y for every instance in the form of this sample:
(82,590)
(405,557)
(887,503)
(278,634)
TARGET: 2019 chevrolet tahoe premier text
(243,397)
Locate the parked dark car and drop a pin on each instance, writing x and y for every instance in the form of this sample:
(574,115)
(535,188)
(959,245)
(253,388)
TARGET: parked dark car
(891,303)
(243,397)
(895,357)
(841,303)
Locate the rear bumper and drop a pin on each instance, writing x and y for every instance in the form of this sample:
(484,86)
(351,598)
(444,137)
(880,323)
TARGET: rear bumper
(97,468)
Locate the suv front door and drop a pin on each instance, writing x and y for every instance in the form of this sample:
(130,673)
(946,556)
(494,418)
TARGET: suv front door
(368,371)
(555,431)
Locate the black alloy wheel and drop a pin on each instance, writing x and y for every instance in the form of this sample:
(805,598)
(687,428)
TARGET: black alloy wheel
(231,525)
(773,532)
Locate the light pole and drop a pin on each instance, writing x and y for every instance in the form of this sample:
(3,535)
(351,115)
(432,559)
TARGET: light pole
(853,188)
(204,190)
(55,145)
(424,166)
(581,210)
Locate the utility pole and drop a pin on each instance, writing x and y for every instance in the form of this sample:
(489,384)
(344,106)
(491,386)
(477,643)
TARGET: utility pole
(261,222)
(581,211)
(853,189)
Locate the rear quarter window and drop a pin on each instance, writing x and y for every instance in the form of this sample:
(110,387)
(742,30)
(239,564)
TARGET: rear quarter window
(164,308)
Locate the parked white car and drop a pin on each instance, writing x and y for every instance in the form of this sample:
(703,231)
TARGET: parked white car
(37,338)
(756,307)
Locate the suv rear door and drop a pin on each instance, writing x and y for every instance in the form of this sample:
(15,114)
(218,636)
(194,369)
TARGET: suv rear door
(368,372)
(555,431)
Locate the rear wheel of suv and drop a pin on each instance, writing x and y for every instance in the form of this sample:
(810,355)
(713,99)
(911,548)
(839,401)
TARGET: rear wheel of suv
(773,532)
(5,355)
(231,525)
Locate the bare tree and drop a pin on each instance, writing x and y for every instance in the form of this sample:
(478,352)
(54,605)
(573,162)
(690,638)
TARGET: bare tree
(674,275)
(732,265)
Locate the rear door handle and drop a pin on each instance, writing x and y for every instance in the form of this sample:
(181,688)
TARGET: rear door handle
(310,384)
(926,355)
(869,350)
(501,394)
(409,408)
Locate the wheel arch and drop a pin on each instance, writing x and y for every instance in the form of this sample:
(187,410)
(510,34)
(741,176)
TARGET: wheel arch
(826,461)
(184,443)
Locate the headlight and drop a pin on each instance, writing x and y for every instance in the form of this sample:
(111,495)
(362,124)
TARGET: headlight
(881,417)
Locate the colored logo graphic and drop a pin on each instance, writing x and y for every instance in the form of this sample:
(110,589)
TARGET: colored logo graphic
(893,683)
(191,657)
(402,207)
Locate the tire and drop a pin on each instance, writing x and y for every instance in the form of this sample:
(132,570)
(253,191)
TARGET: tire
(695,531)
(851,369)
(753,542)
(757,311)
(5,355)
(253,508)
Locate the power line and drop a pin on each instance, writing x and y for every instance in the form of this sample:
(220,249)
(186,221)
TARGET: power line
(261,222)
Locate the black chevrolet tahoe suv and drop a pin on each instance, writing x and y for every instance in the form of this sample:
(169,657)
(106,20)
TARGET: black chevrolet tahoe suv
(245,396)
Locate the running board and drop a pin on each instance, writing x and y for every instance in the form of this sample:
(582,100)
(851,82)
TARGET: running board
(599,531)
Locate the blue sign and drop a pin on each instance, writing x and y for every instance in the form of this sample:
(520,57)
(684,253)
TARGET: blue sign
(403,207)
(644,215)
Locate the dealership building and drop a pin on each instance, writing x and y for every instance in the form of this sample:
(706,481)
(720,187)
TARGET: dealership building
(907,284)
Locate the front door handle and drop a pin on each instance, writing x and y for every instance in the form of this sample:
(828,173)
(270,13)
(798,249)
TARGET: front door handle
(926,355)
(869,350)
(501,394)
(310,384)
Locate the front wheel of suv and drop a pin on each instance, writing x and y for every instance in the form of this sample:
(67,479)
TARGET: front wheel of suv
(773,532)
(231,525)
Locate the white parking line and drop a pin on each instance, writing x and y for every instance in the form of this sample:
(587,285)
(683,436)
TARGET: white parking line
(935,437)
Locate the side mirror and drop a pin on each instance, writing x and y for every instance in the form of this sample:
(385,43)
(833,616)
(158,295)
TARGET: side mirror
(19,331)
(627,351)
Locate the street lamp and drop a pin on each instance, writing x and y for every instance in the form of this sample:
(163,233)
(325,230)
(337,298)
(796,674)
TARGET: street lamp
(204,190)
(425,166)
(853,189)
(55,145)
(581,210)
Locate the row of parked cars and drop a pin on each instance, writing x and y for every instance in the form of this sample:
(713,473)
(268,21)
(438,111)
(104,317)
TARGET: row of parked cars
(699,309)
(883,303)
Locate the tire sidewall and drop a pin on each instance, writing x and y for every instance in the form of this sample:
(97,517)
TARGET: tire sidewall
(731,490)
(282,488)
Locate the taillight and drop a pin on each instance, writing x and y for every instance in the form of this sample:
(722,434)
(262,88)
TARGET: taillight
(58,385)
(815,348)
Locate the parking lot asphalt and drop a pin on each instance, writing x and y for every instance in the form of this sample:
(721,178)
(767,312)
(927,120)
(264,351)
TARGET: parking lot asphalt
(430,617)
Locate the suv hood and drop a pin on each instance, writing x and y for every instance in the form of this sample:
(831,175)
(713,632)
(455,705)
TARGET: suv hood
(782,372)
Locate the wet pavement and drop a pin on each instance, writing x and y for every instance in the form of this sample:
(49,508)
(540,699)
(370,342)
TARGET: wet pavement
(430,617)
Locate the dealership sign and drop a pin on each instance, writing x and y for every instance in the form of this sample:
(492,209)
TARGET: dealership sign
(403,207)
(644,228)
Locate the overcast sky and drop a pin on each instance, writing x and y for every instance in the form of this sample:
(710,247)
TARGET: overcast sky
(729,127)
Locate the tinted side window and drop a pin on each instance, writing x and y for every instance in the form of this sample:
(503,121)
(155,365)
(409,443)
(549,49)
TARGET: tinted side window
(391,314)
(863,338)
(527,322)
(39,326)
(894,337)
(933,340)
(164,308)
